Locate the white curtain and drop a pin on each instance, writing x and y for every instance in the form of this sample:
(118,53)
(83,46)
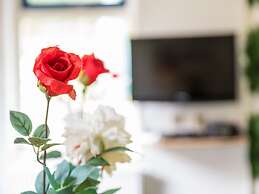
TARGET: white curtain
(8,84)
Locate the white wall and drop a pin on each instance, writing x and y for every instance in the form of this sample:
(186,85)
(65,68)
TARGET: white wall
(197,17)
(9,92)
(2,132)
(209,170)
(188,16)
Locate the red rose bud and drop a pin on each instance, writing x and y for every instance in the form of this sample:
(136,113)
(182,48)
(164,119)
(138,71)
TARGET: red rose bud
(83,78)
(54,68)
(92,67)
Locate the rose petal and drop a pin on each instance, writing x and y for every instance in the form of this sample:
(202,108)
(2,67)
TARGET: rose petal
(54,87)
(93,67)
(72,94)
(60,75)
(76,61)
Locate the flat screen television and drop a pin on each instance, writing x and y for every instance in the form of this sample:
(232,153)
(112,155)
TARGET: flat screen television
(184,69)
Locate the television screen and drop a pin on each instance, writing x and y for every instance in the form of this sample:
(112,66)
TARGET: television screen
(184,69)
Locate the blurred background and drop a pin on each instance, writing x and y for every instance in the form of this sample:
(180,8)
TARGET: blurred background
(187,85)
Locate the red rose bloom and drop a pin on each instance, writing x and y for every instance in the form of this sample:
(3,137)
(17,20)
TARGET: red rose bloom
(54,68)
(92,67)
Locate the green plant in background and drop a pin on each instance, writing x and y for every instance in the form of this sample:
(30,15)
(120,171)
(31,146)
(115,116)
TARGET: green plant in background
(252,51)
(253,133)
(252,2)
(252,72)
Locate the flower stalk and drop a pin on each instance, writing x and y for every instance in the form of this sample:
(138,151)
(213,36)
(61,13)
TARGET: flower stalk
(83,100)
(45,152)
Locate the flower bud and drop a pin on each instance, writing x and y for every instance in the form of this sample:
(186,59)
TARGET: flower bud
(41,87)
(83,78)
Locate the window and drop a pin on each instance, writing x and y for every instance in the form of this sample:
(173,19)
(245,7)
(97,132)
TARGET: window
(71,3)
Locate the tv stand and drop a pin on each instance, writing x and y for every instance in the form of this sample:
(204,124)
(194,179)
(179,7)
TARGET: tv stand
(201,142)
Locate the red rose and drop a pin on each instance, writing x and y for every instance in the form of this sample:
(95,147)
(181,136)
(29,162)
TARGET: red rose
(54,68)
(92,67)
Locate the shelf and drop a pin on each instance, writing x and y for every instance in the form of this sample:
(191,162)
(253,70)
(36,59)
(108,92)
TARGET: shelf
(201,142)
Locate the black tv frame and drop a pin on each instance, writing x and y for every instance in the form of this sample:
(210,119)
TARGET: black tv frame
(235,95)
(98,5)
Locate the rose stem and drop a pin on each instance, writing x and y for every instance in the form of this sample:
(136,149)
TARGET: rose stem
(83,100)
(45,152)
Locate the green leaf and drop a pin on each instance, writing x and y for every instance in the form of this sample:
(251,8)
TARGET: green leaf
(253,133)
(252,49)
(52,154)
(52,191)
(21,140)
(98,161)
(41,131)
(69,181)
(81,173)
(88,191)
(66,190)
(51,178)
(117,149)
(39,183)
(87,184)
(47,146)
(28,192)
(62,171)
(37,141)
(21,123)
(95,174)
(111,191)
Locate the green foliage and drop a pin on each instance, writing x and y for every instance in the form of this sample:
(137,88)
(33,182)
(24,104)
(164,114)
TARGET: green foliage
(65,190)
(52,154)
(47,146)
(39,183)
(21,123)
(87,184)
(37,141)
(111,191)
(252,2)
(117,149)
(252,51)
(95,174)
(21,140)
(70,179)
(81,173)
(63,171)
(98,161)
(254,145)
(40,131)
(51,179)
(88,191)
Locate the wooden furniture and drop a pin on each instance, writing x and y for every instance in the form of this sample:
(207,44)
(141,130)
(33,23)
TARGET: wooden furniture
(201,142)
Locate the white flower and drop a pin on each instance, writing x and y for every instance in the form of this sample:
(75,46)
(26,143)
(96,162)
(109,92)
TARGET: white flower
(88,136)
